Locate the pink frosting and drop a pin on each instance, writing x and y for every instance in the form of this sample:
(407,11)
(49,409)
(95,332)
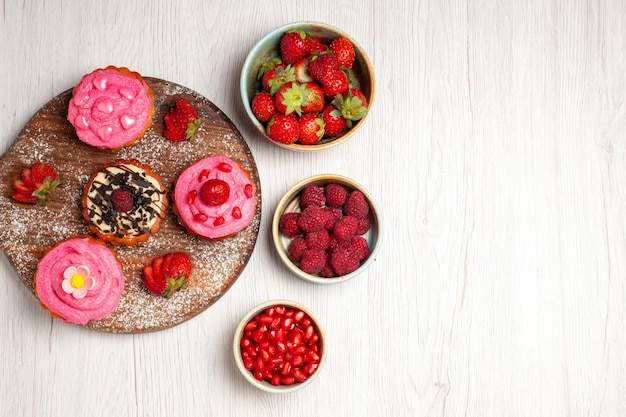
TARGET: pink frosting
(109,109)
(215,221)
(104,269)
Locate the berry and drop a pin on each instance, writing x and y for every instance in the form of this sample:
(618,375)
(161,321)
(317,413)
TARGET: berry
(167,274)
(315,46)
(356,205)
(263,106)
(182,122)
(359,247)
(344,260)
(311,129)
(301,70)
(323,67)
(336,84)
(346,228)
(214,192)
(312,218)
(296,248)
(356,93)
(35,184)
(293,46)
(314,98)
(290,98)
(313,261)
(122,200)
(274,78)
(364,225)
(328,271)
(352,107)
(334,123)
(312,195)
(336,195)
(333,214)
(318,240)
(283,128)
(288,224)
(344,51)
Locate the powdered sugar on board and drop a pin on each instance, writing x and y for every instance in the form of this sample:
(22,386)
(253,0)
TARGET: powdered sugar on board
(26,232)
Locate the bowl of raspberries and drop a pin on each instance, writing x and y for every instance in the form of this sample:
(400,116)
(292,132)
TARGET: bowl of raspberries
(307,86)
(327,229)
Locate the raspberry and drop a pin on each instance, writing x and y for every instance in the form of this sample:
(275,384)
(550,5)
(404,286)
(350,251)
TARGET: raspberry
(336,195)
(356,205)
(345,228)
(312,195)
(332,215)
(296,249)
(332,242)
(364,225)
(317,240)
(122,200)
(312,219)
(313,261)
(344,260)
(288,224)
(359,247)
(328,271)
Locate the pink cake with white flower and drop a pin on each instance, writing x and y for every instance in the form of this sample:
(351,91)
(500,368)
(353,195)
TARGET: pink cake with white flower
(111,108)
(214,198)
(79,280)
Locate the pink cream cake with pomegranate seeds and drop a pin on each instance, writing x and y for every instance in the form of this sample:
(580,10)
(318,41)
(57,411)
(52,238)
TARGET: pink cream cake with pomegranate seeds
(111,108)
(214,198)
(79,280)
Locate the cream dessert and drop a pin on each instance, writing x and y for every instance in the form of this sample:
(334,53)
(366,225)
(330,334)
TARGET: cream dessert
(214,198)
(111,108)
(79,280)
(125,202)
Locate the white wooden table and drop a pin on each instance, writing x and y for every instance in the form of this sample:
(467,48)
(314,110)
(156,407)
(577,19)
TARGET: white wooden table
(496,148)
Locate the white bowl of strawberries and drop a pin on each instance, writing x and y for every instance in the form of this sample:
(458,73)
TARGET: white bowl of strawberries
(307,86)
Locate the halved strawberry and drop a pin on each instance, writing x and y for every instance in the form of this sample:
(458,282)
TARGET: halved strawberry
(182,122)
(35,184)
(301,69)
(167,274)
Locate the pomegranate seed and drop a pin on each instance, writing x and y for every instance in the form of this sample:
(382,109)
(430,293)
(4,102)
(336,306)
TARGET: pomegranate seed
(296,337)
(236,213)
(311,367)
(219,221)
(286,369)
(275,323)
(287,323)
(270,311)
(245,342)
(281,336)
(289,312)
(299,375)
(251,352)
(287,380)
(248,364)
(313,339)
(247,190)
(258,335)
(313,356)
(301,349)
(297,361)
(299,315)
(259,365)
(204,175)
(306,322)
(264,319)
(281,346)
(280,310)
(258,375)
(278,359)
(275,380)
(265,355)
(267,375)
(200,217)
(191,197)
(224,167)
(250,326)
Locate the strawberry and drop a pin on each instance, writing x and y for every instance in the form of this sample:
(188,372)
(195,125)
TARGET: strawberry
(290,98)
(167,274)
(293,46)
(335,124)
(314,46)
(344,51)
(314,100)
(301,69)
(358,93)
(35,184)
(283,128)
(335,84)
(271,64)
(182,122)
(351,107)
(311,129)
(323,67)
(263,106)
(214,192)
(274,78)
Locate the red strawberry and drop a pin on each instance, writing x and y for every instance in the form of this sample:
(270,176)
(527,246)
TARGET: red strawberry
(283,128)
(335,124)
(122,200)
(268,65)
(301,69)
(214,192)
(335,84)
(323,67)
(344,51)
(35,184)
(311,129)
(167,274)
(293,46)
(290,98)
(315,46)
(263,106)
(274,78)
(182,122)
(353,107)
(314,101)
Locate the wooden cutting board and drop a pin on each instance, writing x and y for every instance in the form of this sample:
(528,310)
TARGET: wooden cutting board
(27,231)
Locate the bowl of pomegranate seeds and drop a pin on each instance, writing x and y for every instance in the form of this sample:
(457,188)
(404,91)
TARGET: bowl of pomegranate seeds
(307,86)
(279,346)
(327,229)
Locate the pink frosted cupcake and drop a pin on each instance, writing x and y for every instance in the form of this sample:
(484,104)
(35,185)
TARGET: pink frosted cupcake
(79,280)
(111,108)
(214,198)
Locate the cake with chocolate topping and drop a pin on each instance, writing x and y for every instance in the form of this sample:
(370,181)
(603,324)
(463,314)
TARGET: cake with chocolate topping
(125,202)
(214,198)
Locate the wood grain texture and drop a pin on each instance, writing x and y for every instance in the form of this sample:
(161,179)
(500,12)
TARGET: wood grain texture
(496,149)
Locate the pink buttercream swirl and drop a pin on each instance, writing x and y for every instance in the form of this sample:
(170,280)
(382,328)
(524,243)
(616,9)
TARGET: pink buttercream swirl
(215,221)
(87,299)
(109,109)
